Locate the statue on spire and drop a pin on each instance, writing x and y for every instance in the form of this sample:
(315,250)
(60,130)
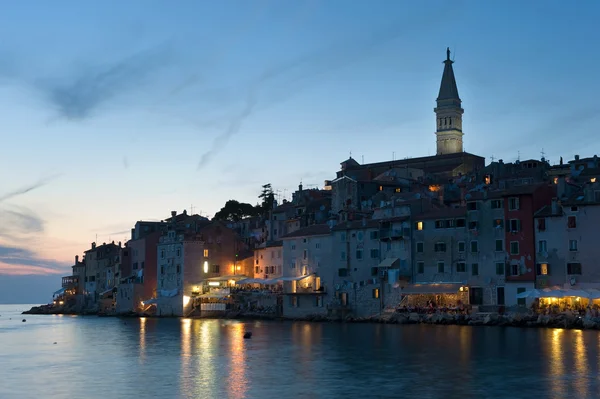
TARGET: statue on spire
(447,53)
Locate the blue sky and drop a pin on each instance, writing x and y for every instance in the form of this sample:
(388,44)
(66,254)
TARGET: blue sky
(118,111)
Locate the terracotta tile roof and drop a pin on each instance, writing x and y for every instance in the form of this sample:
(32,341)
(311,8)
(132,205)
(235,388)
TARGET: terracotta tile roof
(357,225)
(442,213)
(314,230)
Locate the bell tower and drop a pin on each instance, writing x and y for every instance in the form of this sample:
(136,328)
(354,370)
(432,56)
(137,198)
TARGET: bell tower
(448,113)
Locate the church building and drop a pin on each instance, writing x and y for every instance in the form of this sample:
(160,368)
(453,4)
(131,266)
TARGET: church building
(450,159)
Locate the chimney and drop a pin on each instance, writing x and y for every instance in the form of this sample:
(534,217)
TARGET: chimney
(554,206)
(93,245)
(76,259)
(133,234)
(300,187)
(173,213)
(577,157)
(119,244)
(185,212)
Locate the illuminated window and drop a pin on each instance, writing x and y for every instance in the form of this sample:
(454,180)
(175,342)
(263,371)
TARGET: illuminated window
(376,293)
(593,180)
(543,269)
(399,190)
(380,188)
(206,253)
(555,180)
(419,225)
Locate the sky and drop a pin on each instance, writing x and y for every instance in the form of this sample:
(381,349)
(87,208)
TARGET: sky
(113,112)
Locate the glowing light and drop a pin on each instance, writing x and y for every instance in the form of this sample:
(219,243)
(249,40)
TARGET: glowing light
(142,303)
(61,302)
(205,266)
(593,180)
(239,268)
(214,283)
(419,225)
(186,300)
(435,188)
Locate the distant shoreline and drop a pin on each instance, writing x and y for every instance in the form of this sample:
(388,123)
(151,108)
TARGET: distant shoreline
(480,319)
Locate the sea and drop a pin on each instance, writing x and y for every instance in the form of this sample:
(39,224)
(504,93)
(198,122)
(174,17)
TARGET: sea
(87,357)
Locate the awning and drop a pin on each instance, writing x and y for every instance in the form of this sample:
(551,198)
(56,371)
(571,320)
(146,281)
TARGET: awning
(433,288)
(297,278)
(59,292)
(251,281)
(149,301)
(389,262)
(213,295)
(236,277)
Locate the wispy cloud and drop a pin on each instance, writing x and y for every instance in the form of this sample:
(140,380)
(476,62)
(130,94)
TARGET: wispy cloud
(78,96)
(20,222)
(20,261)
(26,189)
(291,77)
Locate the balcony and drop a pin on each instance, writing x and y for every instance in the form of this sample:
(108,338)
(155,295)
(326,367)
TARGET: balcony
(308,291)
(70,282)
(393,234)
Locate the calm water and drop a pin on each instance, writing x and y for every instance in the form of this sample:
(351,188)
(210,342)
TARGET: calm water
(170,358)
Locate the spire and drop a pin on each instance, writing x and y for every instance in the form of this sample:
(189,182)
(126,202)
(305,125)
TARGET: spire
(448,89)
(448,112)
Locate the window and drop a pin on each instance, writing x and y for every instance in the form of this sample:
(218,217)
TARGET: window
(375,293)
(359,254)
(305,254)
(257,269)
(521,301)
(499,245)
(500,268)
(178,252)
(293,246)
(514,247)
(162,270)
(343,255)
(515,269)
(178,268)
(293,264)
(497,204)
(461,267)
(472,206)
(420,247)
(474,246)
(374,253)
(475,269)
(374,235)
(420,267)
(162,253)
(343,237)
(573,245)
(440,247)
(419,226)
(360,236)
(343,272)
(573,268)
(543,269)
(473,225)
(541,224)
(461,246)
(216,269)
(206,253)
(440,266)
(515,225)
(440,224)
(542,246)
(398,190)
(572,222)
(135,266)
(460,222)
(513,204)
(374,271)
(574,209)
(498,223)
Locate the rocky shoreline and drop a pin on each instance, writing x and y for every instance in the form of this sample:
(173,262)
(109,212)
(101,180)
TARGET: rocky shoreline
(479,319)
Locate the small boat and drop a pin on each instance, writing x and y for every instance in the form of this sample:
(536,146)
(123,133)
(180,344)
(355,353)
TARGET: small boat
(247,335)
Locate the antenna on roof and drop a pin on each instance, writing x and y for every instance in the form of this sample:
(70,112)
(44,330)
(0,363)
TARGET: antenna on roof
(519,156)
(350,153)
(393,156)
(492,158)
(362,159)
(543,155)
(191,209)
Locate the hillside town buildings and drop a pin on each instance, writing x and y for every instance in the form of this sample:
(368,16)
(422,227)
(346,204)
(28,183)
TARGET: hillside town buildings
(446,229)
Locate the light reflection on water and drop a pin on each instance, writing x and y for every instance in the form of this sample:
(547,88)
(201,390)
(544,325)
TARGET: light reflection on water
(184,358)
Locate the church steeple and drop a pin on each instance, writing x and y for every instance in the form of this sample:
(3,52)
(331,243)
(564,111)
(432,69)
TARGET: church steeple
(449,112)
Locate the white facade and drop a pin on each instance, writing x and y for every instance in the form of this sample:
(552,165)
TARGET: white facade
(181,269)
(268,262)
(568,253)
(307,276)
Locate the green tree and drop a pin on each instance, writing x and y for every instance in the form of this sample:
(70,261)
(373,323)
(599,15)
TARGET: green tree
(235,211)
(268,198)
